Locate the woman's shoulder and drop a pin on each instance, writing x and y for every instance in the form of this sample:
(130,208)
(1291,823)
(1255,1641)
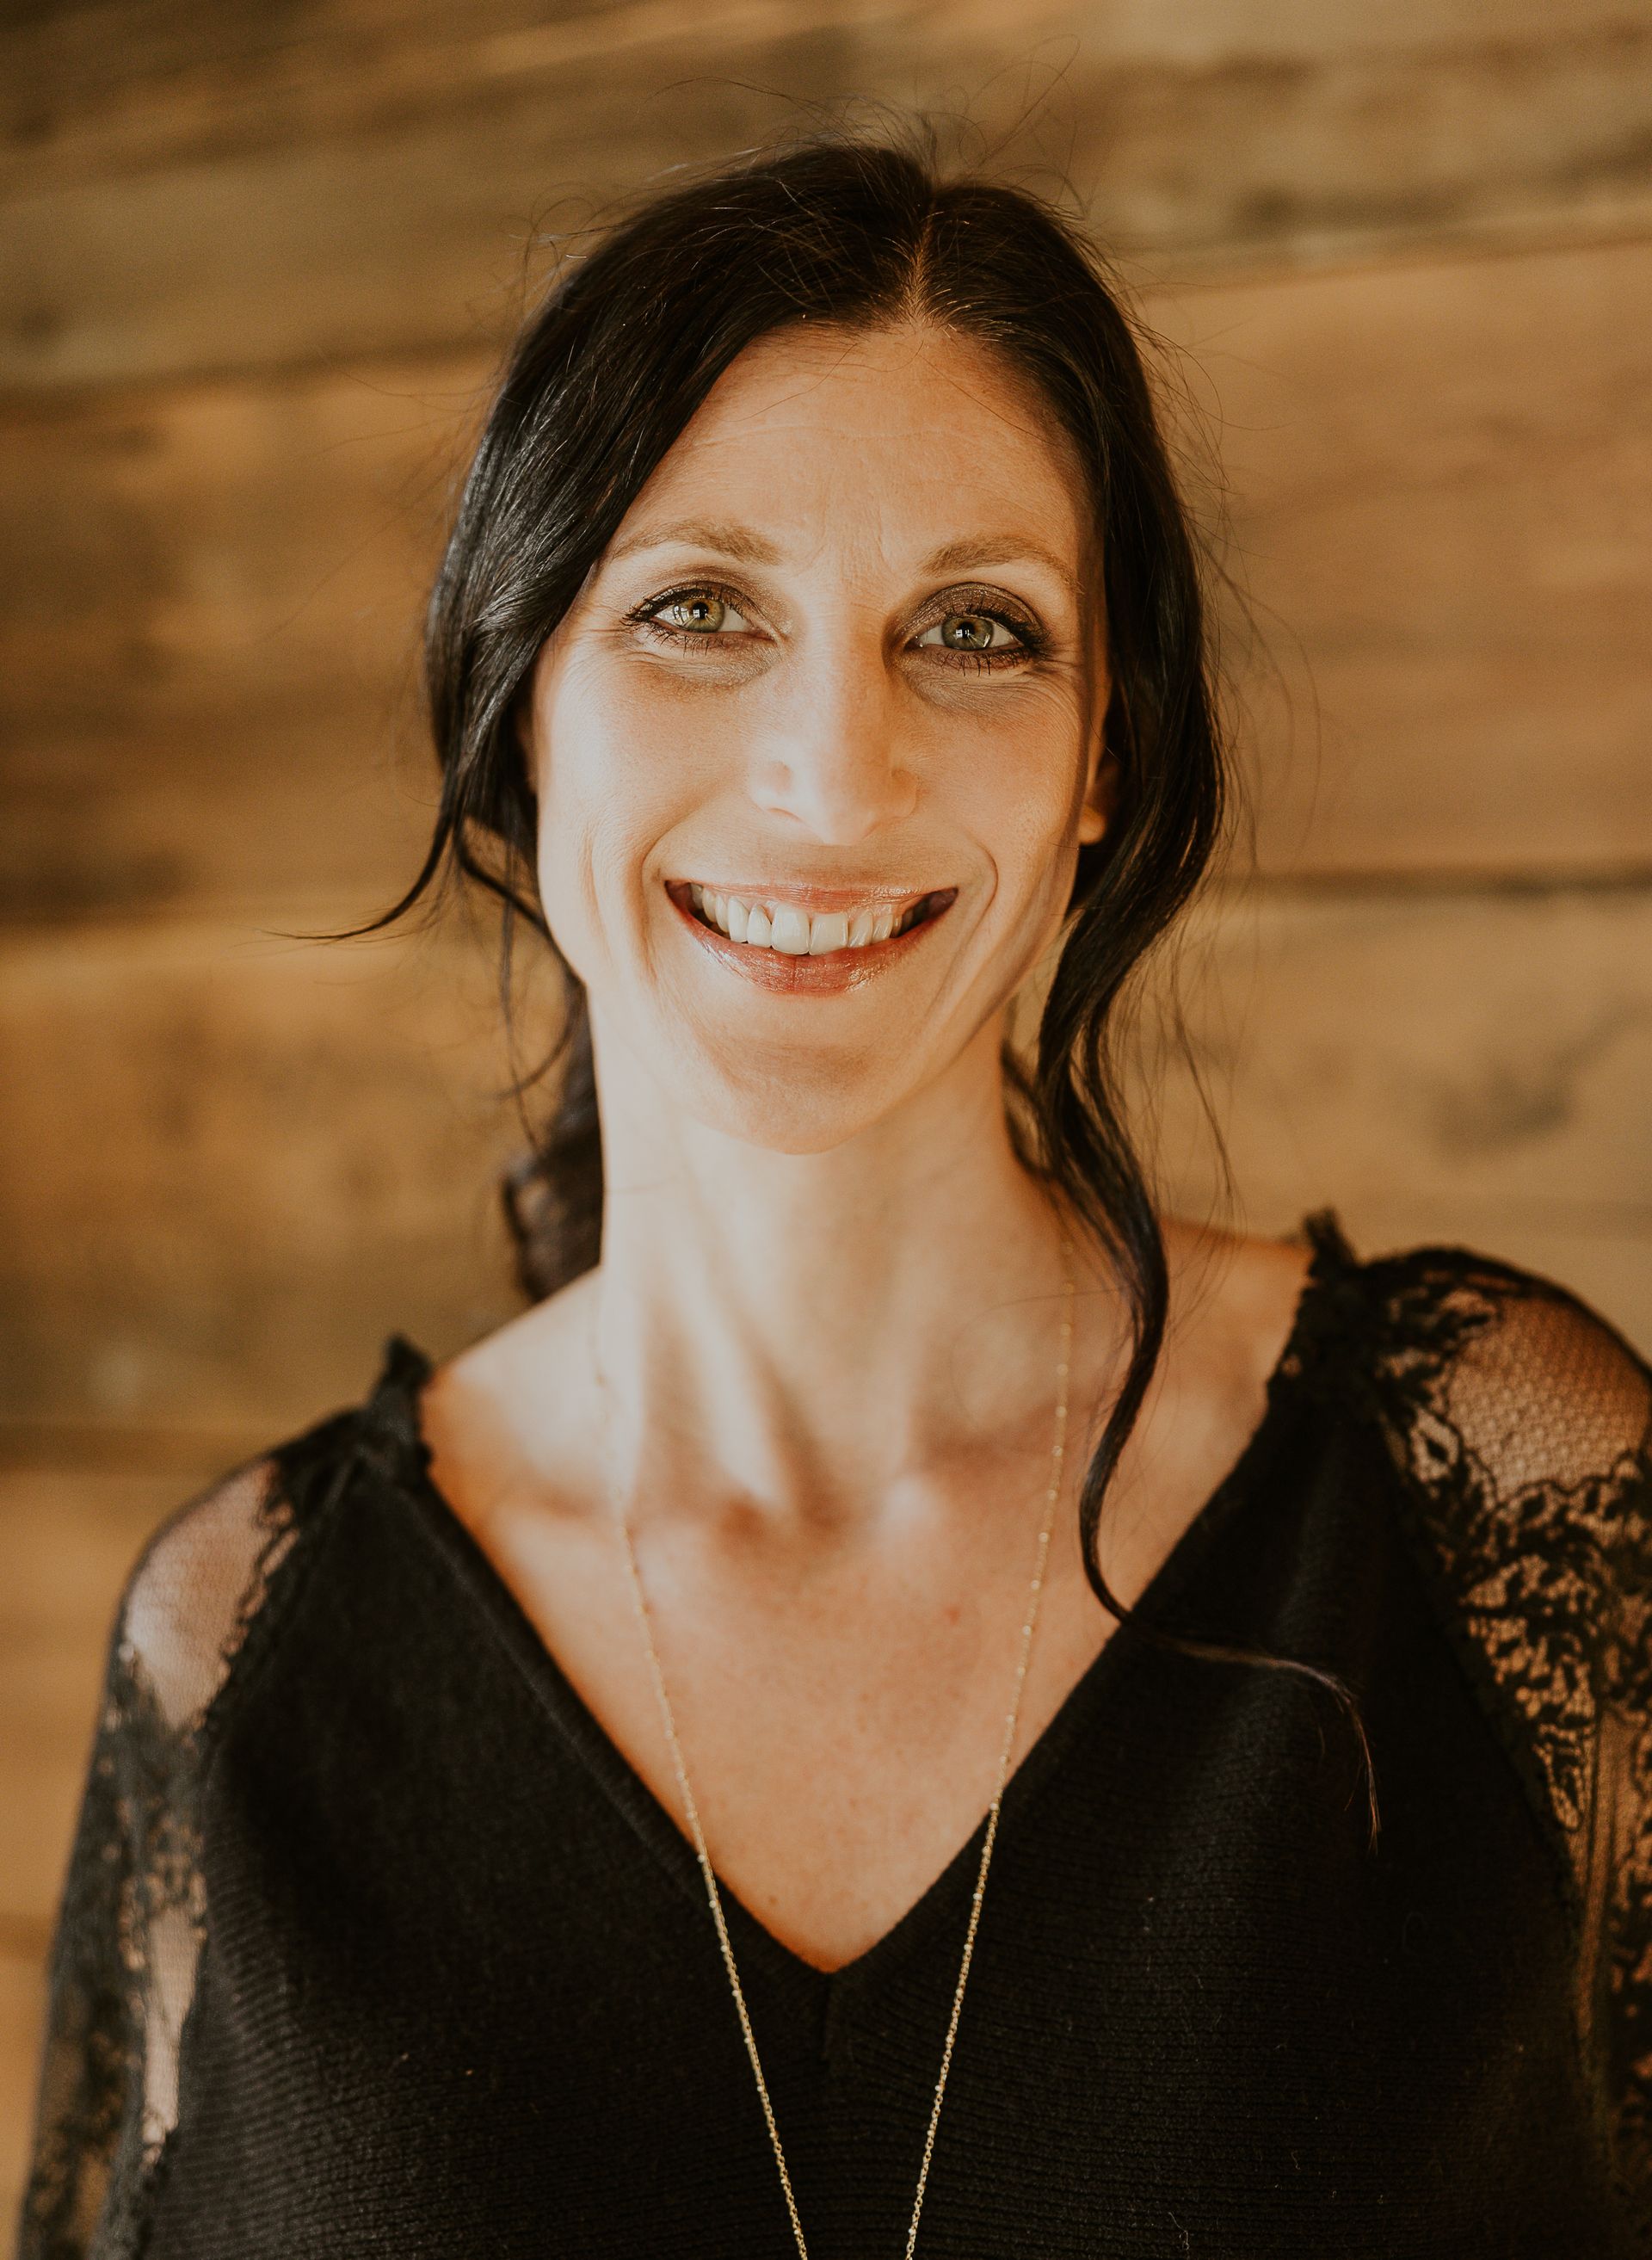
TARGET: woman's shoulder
(1519,1423)
(1486,1377)
(200,1586)
(1490,1378)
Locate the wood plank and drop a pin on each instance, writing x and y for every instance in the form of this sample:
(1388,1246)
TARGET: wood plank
(209,596)
(110,85)
(125,84)
(210,604)
(330,213)
(229,1166)
(1471,1068)
(1442,503)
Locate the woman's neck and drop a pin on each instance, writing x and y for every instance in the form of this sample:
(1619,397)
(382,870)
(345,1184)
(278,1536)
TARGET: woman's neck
(807,1329)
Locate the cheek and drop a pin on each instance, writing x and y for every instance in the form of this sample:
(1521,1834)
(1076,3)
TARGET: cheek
(579,746)
(613,779)
(1014,782)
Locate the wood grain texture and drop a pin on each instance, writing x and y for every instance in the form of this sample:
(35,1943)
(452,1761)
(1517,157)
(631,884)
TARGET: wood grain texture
(112,85)
(231,1164)
(365,181)
(209,603)
(1441,486)
(1471,1068)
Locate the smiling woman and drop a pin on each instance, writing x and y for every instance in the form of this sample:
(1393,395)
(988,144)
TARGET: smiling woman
(823,725)
(697,1771)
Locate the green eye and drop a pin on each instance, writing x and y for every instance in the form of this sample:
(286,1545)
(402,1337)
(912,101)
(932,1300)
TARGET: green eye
(969,631)
(701,613)
(972,631)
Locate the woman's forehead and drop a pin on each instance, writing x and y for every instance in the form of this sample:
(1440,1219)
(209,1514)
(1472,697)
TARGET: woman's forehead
(922,437)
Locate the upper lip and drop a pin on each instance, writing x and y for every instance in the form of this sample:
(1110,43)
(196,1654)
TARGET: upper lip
(807,897)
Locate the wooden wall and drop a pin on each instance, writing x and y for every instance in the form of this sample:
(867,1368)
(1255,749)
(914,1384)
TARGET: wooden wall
(255,262)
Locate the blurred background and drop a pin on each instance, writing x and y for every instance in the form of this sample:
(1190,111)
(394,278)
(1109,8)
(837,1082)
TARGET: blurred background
(256,264)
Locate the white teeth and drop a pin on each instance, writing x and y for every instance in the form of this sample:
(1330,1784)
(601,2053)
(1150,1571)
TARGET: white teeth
(792,931)
(789,931)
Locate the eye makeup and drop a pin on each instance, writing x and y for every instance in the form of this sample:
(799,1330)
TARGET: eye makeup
(975,601)
(972,602)
(648,618)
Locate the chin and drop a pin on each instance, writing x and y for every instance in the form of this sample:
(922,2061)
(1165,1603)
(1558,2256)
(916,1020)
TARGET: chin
(802,1105)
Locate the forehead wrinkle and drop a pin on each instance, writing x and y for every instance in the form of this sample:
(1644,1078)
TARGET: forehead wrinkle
(855,517)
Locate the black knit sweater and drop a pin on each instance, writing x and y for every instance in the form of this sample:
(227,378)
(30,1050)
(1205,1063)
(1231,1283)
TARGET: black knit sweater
(373,1943)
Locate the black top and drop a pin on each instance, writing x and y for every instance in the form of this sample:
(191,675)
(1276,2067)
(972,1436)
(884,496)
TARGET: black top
(373,1943)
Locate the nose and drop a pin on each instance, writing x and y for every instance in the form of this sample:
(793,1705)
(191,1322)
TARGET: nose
(836,759)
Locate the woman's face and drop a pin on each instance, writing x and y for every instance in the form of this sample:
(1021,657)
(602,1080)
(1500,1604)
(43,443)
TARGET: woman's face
(839,669)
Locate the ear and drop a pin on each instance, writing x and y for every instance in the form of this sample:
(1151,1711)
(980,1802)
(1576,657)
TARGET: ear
(1101,799)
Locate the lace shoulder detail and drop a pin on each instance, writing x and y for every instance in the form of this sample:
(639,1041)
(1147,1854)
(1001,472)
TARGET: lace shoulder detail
(1521,1424)
(132,1917)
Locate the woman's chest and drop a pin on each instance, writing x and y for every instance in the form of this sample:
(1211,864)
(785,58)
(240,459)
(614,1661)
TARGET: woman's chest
(461,1989)
(841,1720)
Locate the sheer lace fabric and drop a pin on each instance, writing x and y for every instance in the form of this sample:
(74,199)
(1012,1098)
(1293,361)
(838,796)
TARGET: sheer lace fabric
(1519,1430)
(133,1912)
(1522,1425)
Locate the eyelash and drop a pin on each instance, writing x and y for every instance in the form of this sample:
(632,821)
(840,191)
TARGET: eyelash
(1032,645)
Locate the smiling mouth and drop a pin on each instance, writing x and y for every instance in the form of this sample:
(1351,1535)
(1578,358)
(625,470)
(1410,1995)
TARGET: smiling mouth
(762,923)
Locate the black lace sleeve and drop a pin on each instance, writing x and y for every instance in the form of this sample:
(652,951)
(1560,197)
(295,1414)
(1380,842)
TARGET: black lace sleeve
(131,1916)
(1522,1424)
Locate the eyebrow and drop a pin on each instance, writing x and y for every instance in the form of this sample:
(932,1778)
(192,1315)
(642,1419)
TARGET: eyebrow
(750,548)
(729,540)
(970,556)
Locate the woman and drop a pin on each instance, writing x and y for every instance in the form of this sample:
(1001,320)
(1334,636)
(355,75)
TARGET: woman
(554,1806)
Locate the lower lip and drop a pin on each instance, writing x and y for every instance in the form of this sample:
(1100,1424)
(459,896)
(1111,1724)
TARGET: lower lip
(827,976)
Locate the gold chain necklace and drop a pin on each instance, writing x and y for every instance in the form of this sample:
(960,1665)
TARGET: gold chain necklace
(667,1722)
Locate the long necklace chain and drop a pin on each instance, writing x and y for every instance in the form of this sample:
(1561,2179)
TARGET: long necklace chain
(714,1896)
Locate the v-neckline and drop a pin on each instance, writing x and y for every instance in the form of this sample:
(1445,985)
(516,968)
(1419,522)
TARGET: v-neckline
(393,1406)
